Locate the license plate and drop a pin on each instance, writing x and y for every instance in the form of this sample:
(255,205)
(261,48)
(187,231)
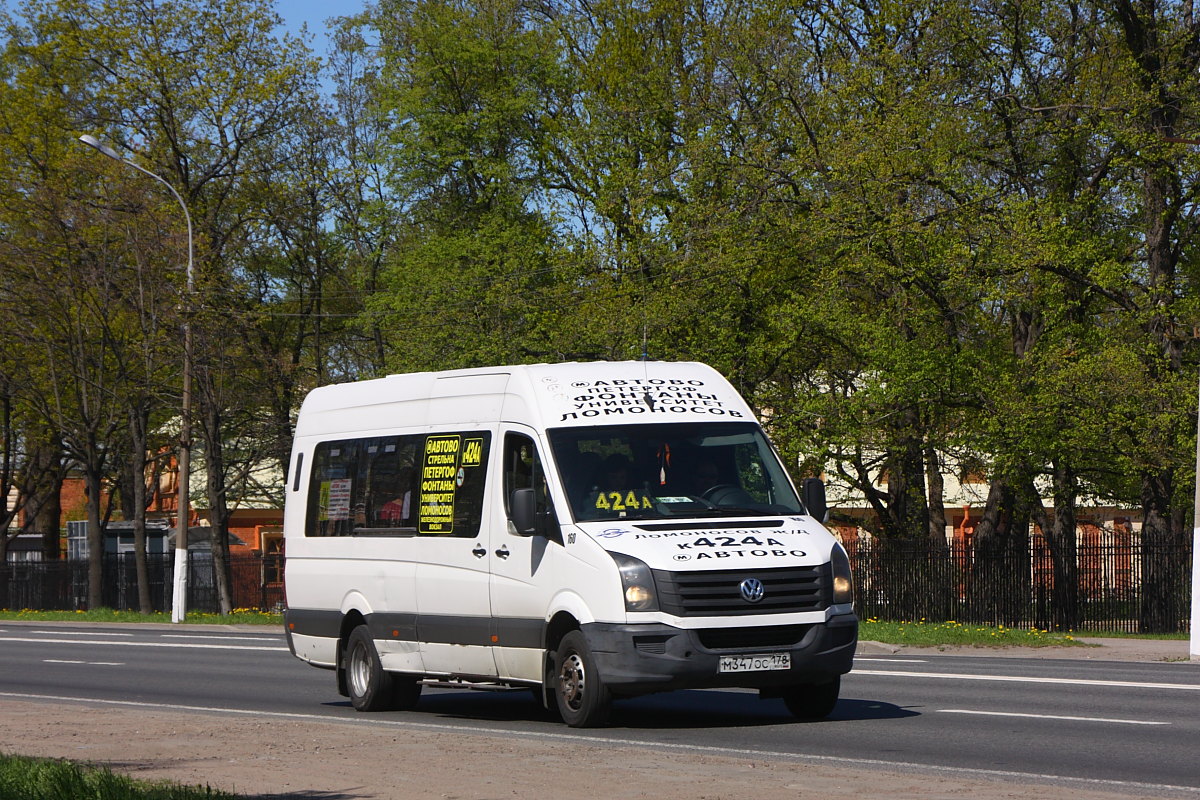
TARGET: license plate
(756,663)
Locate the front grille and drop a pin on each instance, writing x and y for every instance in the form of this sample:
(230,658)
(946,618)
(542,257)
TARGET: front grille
(741,638)
(708,594)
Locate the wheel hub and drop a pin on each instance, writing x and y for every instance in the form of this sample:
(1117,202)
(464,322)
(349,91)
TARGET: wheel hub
(359,671)
(572,681)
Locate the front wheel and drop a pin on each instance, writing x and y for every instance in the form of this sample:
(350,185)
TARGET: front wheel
(812,701)
(582,698)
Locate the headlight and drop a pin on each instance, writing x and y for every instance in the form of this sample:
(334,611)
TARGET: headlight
(843,584)
(637,584)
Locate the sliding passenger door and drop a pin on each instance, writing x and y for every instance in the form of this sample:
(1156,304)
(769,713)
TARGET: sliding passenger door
(453,605)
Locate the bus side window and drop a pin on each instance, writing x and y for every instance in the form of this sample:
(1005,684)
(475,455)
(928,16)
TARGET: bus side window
(332,488)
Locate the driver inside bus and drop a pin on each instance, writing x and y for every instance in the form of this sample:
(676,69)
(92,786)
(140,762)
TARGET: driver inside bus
(705,477)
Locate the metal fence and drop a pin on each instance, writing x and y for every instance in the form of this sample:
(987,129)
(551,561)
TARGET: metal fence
(256,582)
(1114,587)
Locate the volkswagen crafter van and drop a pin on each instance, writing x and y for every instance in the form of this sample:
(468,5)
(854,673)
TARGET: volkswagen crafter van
(590,531)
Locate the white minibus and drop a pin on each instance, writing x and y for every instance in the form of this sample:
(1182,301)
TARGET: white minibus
(588,530)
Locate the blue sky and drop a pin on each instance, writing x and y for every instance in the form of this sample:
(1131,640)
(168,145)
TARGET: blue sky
(294,12)
(314,13)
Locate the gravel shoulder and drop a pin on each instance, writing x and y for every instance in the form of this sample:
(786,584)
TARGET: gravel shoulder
(301,760)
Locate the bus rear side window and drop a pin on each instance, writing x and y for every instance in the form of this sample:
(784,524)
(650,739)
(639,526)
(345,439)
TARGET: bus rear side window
(428,485)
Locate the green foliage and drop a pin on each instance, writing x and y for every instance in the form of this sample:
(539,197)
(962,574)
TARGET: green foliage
(904,232)
(920,235)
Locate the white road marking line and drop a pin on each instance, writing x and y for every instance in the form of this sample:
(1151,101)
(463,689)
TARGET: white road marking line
(859,660)
(559,736)
(89,663)
(145,644)
(1187,687)
(1047,716)
(235,638)
(79,633)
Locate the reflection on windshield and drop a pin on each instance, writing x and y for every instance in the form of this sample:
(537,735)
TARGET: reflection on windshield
(671,470)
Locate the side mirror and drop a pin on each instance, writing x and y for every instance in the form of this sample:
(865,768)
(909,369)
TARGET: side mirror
(523,508)
(813,496)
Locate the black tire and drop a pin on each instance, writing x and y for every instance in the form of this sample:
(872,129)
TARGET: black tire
(582,698)
(371,688)
(812,701)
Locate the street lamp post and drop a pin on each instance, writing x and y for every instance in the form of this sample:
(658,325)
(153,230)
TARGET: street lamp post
(179,592)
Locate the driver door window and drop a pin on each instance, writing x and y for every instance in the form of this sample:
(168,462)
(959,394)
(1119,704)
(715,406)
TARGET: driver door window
(523,470)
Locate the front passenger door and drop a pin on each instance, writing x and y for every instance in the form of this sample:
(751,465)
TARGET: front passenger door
(523,565)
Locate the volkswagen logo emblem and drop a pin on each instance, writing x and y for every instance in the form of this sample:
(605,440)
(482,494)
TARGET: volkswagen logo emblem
(752,590)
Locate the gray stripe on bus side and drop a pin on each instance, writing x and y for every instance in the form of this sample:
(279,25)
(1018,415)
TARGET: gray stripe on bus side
(313,622)
(433,628)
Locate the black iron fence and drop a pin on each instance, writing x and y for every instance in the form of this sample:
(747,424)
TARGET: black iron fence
(1089,587)
(1116,587)
(256,582)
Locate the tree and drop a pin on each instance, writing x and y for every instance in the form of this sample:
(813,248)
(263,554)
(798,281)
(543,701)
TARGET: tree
(1159,48)
(209,92)
(461,88)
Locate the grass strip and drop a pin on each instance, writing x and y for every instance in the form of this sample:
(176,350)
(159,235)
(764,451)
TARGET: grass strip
(933,634)
(1181,636)
(240,616)
(24,778)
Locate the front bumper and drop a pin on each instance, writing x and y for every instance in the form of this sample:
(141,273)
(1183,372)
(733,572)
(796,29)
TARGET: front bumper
(637,659)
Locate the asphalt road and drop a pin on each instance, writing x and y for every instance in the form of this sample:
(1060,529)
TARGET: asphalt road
(1131,727)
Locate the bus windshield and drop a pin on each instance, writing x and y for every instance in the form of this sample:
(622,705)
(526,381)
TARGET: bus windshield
(671,470)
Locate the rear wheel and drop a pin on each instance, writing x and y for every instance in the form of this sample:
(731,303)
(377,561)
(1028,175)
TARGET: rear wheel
(372,688)
(812,701)
(583,699)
